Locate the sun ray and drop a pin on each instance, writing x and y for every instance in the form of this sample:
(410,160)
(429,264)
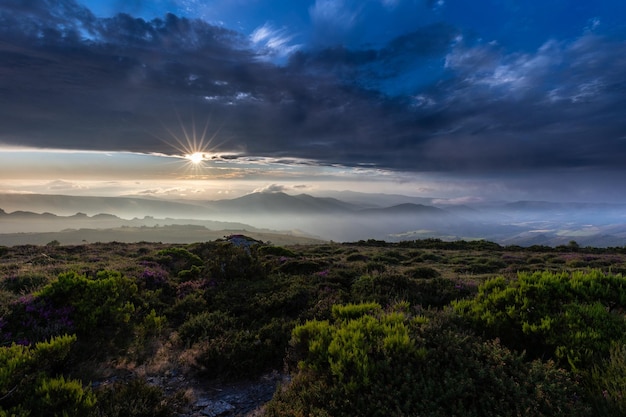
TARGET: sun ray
(193,145)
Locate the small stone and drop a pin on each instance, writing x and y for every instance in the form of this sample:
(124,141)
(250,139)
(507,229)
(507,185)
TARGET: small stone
(217,408)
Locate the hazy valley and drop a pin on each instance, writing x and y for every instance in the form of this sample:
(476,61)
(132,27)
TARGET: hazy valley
(303,218)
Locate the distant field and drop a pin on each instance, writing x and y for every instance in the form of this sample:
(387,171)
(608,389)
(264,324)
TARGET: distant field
(169,234)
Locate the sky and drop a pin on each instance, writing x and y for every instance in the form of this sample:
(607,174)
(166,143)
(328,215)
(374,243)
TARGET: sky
(488,99)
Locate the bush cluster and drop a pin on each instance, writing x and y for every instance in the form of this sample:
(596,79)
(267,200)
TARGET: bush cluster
(371,362)
(426,328)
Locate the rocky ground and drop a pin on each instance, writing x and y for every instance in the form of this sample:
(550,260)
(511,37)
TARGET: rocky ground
(223,399)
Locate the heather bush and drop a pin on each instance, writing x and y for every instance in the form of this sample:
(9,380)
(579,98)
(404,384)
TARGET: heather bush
(23,284)
(33,319)
(224,261)
(104,303)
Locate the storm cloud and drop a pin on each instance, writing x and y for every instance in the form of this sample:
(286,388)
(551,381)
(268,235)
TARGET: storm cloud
(436,98)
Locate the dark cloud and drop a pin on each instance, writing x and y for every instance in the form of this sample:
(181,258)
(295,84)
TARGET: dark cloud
(424,101)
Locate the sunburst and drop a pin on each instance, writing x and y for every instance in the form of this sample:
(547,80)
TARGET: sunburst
(194,147)
(196,158)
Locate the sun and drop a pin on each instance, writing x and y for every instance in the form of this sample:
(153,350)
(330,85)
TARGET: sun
(196,148)
(195,158)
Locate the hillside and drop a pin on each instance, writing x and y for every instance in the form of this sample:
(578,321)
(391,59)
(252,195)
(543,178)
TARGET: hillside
(207,328)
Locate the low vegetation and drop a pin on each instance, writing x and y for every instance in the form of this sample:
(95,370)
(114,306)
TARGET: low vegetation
(370,328)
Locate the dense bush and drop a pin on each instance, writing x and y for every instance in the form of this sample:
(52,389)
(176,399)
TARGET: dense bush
(373,363)
(136,398)
(275,251)
(30,386)
(20,284)
(103,303)
(229,312)
(386,288)
(423,272)
(570,317)
(607,383)
(205,326)
(178,259)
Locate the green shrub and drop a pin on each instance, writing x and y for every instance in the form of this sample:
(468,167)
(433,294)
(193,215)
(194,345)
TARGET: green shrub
(383,288)
(205,326)
(607,383)
(423,272)
(194,273)
(103,303)
(61,398)
(178,259)
(136,398)
(357,257)
(373,363)
(300,267)
(29,384)
(440,292)
(275,251)
(186,307)
(226,262)
(567,316)
(21,284)
(240,353)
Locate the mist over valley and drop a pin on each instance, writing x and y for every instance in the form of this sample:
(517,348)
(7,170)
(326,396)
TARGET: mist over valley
(323,217)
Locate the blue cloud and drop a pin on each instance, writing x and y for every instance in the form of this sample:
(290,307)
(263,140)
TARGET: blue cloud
(423,97)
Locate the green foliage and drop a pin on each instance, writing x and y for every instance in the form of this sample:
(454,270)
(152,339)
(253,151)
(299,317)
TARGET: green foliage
(355,311)
(28,385)
(20,284)
(387,287)
(105,302)
(567,316)
(302,267)
(423,272)
(381,288)
(178,259)
(194,273)
(607,383)
(61,398)
(136,398)
(239,353)
(482,266)
(185,307)
(374,363)
(205,326)
(275,251)
(153,324)
(224,261)
(229,312)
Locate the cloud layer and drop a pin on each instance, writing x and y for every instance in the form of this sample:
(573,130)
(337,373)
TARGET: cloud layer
(435,97)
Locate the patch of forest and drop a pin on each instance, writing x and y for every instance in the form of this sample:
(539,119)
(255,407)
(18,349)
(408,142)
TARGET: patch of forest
(370,328)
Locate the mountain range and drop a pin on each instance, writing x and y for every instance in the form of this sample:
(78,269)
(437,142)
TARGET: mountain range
(345,216)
